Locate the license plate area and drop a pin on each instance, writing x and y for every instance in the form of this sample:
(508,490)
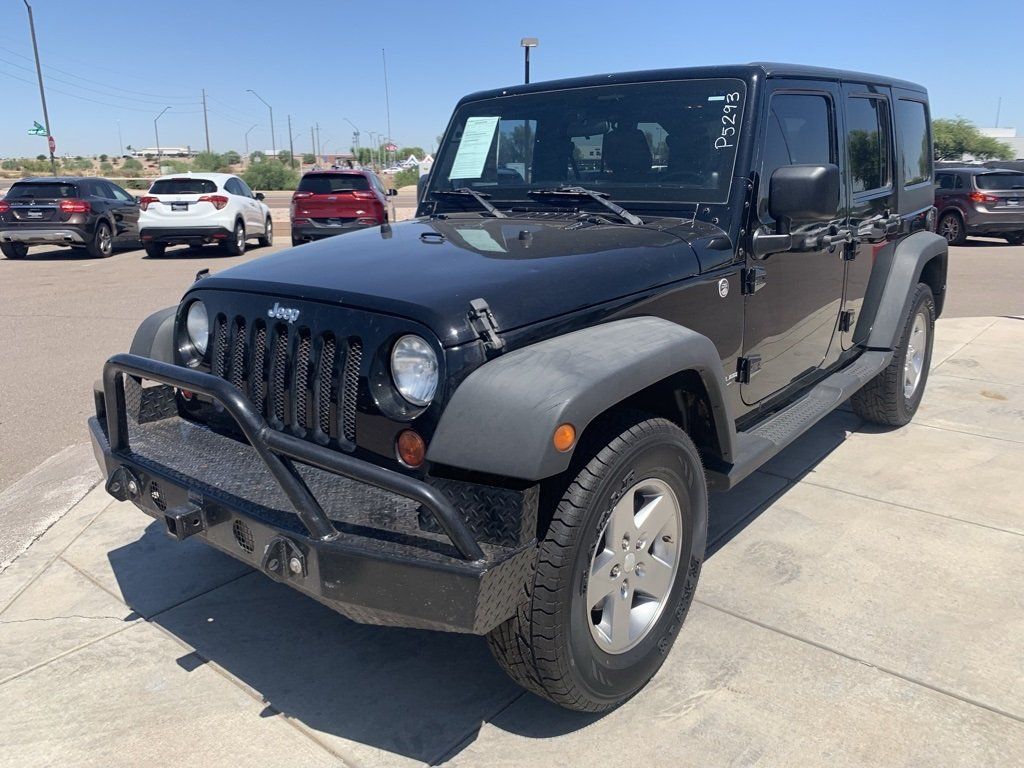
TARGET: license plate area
(179,206)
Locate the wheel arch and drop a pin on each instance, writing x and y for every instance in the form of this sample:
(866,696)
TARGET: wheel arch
(154,338)
(501,419)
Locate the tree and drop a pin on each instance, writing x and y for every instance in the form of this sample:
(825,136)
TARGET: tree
(270,174)
(208,161)
(953,138)
(404,152)
(232,158)
(103,158)
(308,158)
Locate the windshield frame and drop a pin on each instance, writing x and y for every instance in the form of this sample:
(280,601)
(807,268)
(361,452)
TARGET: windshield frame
(633,195)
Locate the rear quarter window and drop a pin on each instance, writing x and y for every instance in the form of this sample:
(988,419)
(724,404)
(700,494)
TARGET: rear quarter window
(42,190)
(915,141)
(182,187)
(329,183)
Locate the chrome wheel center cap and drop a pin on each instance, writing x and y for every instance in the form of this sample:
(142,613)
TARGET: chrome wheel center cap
(630,563)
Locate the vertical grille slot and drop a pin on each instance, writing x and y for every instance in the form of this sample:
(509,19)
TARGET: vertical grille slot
(325,384)
(220,347)
(238,349)
(350,389)
(258,375)
(300,386)
(279,374)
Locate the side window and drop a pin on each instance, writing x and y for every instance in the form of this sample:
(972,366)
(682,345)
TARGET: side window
(944,180)
(243,188)
(515,150)
(915,141)
(99,189)
(120,194)
(959,183)
(867,142)
(800,130)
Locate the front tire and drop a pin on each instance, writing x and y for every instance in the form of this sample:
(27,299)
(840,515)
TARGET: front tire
(267,238)
(893,396)
(102,244)
(155,250)
(14,250)
(616,571)
(951,227)
(235,244)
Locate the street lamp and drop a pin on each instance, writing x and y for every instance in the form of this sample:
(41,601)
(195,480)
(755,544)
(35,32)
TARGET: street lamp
(247,144)
(528,43)
(156,130)
(273,139)
(355,134)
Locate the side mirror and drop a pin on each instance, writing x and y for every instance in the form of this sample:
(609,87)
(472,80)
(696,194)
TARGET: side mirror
(797,194)
(392,192)
(259,196)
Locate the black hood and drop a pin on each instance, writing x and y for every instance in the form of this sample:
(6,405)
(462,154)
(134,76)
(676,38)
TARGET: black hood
(429,270)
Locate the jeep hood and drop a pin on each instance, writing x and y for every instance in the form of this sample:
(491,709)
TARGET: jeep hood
(429,270)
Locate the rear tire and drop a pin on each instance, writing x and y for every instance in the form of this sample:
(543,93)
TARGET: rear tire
(235,244)
(296,242)
(14,250)
(1017,238)
(102,244)
(155,250)
(893,396)
(951,227)
(267,238)
(599,564)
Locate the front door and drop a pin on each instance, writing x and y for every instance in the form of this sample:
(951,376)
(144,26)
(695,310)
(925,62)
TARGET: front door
(790,320)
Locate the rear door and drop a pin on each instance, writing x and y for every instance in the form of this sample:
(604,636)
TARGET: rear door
(254,221)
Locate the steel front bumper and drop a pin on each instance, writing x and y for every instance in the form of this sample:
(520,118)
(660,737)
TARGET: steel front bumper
(381,565)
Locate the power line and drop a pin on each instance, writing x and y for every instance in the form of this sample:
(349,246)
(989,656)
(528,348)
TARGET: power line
(95,101)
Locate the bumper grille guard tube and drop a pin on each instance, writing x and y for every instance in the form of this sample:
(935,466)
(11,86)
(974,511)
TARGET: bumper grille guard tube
(277,450)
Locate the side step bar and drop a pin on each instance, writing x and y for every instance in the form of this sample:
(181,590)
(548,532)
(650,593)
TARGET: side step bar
(756,446)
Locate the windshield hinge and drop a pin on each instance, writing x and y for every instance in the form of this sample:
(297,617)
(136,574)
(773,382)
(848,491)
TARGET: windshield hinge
(754,279)
(746,367)
(486,327)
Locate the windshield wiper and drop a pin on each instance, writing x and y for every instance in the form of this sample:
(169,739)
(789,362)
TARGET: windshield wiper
(600,197)
(478,196)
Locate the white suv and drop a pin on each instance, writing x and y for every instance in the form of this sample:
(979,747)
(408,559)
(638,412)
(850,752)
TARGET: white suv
(198,208)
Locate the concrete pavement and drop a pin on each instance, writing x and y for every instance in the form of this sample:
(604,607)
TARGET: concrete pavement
(862,605)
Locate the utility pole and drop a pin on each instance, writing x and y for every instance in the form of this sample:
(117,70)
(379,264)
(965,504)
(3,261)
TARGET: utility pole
(42,91)
(999,108)
(372,145)
(206,123)
(387,98)
(120,141)
(355,136)
(273,138)
(156,130)
(291,142)
(312,144)
(247,145)
(319,153)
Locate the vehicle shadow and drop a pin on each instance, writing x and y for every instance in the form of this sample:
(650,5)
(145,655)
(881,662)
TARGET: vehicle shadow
(423,695)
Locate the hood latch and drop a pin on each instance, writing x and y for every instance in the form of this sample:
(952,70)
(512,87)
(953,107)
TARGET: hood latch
(486,327)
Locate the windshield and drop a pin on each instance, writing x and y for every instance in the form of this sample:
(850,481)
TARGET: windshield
(672,141)
(182,187)
(49,191)
(1000,181)
(329,183)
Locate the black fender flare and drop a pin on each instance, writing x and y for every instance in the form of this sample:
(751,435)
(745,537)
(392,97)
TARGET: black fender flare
(501,419)
(154,338)
(889,301)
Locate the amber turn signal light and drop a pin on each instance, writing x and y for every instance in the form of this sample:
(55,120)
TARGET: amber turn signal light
(410,448)
(564,437)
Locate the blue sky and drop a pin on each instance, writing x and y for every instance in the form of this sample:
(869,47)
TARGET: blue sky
(321,61)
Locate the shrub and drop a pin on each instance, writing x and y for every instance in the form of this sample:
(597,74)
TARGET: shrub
(407,177)
(103,158)
(309,158)
(232,158)
(271,174)
(137,183)
(106,168)
(177,166)
(131,164)
(40,157)
(10,165)
(257,157)
(208,161)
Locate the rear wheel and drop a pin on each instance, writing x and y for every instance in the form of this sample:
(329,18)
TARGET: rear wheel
(616,571)
(296,241)
(1017,238)
(235,244)
(155,250)
(14,250)
(951,227)
(893,396)
(267,238)
(102,244)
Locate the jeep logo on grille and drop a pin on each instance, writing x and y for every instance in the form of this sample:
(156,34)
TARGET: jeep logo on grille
(283,313)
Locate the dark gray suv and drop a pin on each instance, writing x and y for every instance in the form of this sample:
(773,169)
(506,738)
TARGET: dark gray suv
(980,201)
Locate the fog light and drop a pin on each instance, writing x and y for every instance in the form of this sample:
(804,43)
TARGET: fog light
(410,448)
(564,437)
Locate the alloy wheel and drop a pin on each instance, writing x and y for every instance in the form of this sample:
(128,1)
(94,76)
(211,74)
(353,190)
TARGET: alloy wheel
(917,345)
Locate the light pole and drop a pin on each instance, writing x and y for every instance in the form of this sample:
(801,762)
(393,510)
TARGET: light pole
(355,135)
(528,43)
(156,130)
(372,145)
(42,92)
(120,141)
(273,139)
(247,145)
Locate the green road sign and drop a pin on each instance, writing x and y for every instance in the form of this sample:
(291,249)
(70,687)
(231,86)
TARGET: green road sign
(36,129)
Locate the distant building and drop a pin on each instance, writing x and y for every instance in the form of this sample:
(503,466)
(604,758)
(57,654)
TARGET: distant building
(1009,137)
(165,152)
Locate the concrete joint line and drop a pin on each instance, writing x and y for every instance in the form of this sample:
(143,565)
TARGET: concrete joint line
(68,652)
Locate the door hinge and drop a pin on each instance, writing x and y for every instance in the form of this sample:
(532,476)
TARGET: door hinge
(850,250)
(754,279)
(846,320)
(746,367)
(483,322)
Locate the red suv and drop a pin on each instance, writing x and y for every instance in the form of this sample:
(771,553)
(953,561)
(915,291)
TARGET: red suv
(330,203)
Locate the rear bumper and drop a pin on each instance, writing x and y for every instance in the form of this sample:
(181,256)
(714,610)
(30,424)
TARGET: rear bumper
(180,235)
(312,231)
(408,576)
(58,235)
(995,222)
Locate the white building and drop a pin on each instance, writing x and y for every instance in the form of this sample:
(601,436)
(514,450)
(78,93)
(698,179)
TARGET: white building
(1009,137)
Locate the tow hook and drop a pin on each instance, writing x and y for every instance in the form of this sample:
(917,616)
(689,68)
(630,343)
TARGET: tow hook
(283,560)
(184,521)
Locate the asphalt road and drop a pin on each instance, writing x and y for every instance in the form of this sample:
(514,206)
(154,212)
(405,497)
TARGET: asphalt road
(62,315)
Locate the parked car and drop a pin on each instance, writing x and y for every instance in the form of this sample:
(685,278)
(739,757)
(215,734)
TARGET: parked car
(199,208)
(89,214)
(328,203)
(980,201)
(505,416)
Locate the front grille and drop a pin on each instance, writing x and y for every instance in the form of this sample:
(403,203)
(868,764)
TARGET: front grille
(303,382)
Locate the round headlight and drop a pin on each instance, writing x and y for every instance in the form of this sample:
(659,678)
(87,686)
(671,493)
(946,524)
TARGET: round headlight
(197,325)
(414,369)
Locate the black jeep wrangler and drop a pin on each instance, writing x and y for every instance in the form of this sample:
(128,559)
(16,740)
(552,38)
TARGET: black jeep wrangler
(505,416)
